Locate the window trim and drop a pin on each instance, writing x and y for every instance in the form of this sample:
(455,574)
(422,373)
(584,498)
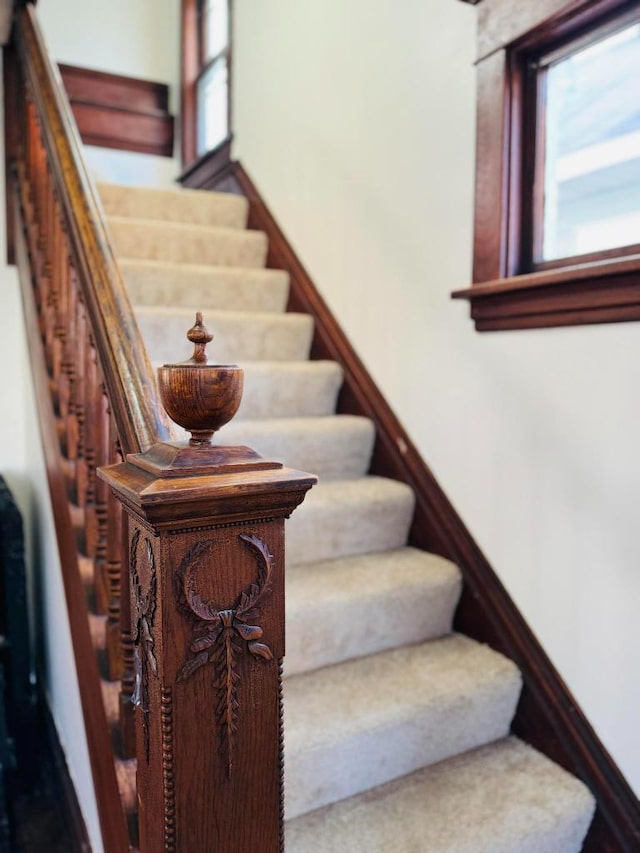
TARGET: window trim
(506,292)
(194,66)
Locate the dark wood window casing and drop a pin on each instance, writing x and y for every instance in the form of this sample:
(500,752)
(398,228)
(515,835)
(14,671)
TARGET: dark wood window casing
(513,287)
(195,64)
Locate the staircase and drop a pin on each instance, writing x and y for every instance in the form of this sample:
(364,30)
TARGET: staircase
(397,731)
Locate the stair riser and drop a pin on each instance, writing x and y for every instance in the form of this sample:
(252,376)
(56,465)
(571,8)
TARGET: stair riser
(326,531)
(325,635)
(331,448)
(315,778)
(226,247)
(185,286)
(238,338)
(213,209)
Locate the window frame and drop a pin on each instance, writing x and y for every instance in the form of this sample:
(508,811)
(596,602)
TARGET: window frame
(510,290)
(195,64)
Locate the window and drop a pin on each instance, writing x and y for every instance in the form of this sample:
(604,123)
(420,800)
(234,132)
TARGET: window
(206,71)
(557,225)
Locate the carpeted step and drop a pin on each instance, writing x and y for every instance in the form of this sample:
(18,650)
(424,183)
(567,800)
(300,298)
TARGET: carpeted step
(289,389)
(192,206)
(357,606)
(351,727)
(501,798)
(337,447)
(341,518)
(192,244)
(238,336)
(199,287)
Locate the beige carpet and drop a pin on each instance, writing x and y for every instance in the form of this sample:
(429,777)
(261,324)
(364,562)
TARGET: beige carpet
(396,730)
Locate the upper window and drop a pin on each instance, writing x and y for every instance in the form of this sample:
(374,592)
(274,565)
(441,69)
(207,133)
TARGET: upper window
(206,72)
(557,208)
(586,192)
(212,99)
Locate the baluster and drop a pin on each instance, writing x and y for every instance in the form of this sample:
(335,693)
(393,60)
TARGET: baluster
(128,679)
(206,558)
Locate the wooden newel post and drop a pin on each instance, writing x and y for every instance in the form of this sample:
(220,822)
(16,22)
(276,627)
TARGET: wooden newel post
(206,560)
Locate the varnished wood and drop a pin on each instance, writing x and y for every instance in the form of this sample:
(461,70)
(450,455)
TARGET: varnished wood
(126,369)
(120,112)
(547,715)
(113,829)
(207,624)
(508,200)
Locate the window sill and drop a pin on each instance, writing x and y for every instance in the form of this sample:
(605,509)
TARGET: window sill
(603,292)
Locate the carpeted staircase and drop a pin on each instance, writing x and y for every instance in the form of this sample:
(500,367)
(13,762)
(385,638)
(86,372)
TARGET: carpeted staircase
(396,730)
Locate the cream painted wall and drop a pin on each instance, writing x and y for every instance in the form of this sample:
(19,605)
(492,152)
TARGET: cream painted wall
(356,120)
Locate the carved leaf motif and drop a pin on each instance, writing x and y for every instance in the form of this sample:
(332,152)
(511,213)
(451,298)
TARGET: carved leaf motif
(261,650)
(220,632)
(192,665)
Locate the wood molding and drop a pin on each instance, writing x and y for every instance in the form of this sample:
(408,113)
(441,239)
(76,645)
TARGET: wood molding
(73,817)
(600,288)
(114,111)
(210,169)
(548,716)
(604,292)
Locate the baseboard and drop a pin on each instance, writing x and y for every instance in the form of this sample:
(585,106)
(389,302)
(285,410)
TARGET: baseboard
(64,787)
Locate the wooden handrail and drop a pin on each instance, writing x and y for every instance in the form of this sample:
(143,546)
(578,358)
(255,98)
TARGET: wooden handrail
(138,415)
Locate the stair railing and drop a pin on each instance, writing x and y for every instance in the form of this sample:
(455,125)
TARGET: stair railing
(189,578)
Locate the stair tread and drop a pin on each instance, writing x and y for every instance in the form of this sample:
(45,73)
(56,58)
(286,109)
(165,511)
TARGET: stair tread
(198,286)
(239,335)
(340,518)
(362,723)
(356,606)
(332,447)
(500,798)
(204,208)
(177,242)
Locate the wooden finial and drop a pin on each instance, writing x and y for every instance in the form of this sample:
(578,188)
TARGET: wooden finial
(199,396)
(200,336)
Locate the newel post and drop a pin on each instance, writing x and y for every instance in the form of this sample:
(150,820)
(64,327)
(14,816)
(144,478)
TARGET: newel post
(206,561)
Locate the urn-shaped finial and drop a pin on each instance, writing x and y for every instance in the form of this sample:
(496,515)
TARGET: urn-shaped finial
(199,396)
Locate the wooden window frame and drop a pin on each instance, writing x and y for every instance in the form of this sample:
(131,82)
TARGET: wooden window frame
(194,66)
(509,290)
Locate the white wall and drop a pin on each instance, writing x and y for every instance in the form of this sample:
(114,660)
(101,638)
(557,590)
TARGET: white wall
(356,120)
(141,39)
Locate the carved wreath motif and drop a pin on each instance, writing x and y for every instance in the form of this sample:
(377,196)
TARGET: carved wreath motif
(220,636)
(143,618)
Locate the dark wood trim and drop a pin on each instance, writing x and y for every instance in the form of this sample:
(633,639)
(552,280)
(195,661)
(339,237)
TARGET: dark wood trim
(11,131)
(547,716)
(126,368)
(112,824)
(605,292)
(120,112)
(190,53)
(502,23)
(193,65)
(207,171)
(65,789)
(508,196)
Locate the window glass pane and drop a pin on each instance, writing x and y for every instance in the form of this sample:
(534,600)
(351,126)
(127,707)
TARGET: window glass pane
(592,148)
(213,115)
(215,23)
